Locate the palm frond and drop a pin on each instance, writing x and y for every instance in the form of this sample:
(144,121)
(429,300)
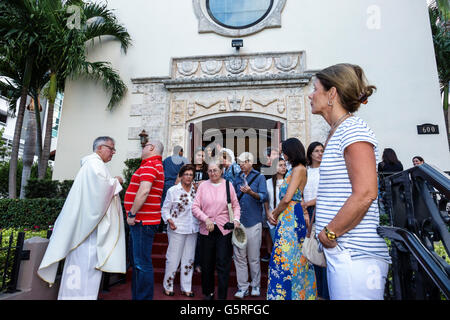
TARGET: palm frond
(102,72)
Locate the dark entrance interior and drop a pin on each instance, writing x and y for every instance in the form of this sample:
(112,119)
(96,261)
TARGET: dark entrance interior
(250,134)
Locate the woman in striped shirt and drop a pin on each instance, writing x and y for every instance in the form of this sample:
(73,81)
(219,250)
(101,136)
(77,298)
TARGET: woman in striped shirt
(346,207)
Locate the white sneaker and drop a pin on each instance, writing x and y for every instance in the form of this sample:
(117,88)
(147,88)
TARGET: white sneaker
(240,294)
(255,292)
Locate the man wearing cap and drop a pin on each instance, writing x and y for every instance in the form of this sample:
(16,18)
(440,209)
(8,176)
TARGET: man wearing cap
(251,191)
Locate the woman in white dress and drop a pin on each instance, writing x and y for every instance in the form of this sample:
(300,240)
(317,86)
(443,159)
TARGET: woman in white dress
(182,232)
(273,189)
(314,158)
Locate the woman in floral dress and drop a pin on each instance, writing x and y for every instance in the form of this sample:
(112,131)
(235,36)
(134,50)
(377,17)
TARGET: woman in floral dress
(291,277)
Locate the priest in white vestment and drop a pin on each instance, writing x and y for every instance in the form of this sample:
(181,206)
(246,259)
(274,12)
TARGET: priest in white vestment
(89,231)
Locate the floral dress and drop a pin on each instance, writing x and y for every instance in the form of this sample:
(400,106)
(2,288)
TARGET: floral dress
(291,277)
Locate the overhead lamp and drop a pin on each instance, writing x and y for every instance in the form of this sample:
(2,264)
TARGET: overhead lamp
(237,43)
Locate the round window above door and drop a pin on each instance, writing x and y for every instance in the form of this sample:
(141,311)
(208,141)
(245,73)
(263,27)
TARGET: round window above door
(237,17)
(238,14)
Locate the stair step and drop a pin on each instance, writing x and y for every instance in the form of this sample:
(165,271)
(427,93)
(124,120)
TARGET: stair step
(197,278)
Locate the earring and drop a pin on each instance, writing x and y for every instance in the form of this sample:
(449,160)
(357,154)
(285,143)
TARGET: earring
(330,103)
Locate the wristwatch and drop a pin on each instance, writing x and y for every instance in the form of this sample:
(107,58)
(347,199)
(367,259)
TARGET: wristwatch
(130,214)
(330,234)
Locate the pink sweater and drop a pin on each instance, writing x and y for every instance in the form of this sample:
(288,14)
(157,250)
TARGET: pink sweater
(211,202)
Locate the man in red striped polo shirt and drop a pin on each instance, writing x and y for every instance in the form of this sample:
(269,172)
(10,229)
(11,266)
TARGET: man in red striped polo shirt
(143,205)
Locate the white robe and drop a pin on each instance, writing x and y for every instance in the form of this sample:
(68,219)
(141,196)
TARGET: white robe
(93,204)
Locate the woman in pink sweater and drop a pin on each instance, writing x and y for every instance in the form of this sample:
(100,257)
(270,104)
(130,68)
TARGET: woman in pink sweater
(210,208)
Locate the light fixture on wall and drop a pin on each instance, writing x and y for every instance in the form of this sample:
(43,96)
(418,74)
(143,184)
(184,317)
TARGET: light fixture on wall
(237,43)
(143,136)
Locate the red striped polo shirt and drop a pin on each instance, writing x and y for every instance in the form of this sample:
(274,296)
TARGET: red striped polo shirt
(151,170)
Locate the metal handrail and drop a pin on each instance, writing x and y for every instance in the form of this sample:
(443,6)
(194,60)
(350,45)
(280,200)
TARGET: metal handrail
(417,219)
(432,266)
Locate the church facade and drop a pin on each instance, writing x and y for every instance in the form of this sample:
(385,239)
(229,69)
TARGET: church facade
(189,85)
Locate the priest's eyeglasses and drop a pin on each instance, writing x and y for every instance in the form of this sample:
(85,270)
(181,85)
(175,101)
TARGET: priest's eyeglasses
(110,148)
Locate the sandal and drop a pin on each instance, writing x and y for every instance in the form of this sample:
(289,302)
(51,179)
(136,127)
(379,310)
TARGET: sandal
(187,294)
(168,293)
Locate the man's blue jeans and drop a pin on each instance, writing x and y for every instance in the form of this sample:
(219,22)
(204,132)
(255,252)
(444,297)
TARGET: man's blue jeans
(141,245)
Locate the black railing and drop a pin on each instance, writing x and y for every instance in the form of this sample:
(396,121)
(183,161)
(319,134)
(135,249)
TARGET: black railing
(416,202)
(10,259)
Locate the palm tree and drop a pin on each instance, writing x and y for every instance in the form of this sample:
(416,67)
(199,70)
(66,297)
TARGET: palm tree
(67,57)
(439,13)
(38,31)
(19,37)
(29,147)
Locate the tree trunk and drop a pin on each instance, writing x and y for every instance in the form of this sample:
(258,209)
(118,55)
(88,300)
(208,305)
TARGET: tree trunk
(446,113)
(43,164)
(38,128)
(28,151)
(12,184)
(48,128)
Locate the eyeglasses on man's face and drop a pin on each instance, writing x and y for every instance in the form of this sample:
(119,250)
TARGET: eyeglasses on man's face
(112,149)
(213,170)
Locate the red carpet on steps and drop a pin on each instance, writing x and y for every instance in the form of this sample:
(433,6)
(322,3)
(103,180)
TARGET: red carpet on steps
(123,291)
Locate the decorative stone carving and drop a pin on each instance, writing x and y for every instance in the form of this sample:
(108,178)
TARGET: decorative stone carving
(187,67)
(261,63)
(177,113)
(248,105)
(261,85)
(211,67)
(236,65)
(264,104)
(191,109)
(281,107)
(248,69)
(208,105)
(286,62)
(235,103)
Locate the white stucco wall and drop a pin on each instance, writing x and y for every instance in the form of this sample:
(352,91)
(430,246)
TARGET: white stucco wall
(398,57)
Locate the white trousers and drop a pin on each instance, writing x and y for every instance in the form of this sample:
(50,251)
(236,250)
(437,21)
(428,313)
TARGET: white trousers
(80,280)
(354,279)
(252,253)
(181,249)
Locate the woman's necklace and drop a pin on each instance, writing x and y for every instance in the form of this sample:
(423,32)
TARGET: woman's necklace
(335,125)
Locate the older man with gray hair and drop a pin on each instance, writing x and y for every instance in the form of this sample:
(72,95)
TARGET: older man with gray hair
(251,190)
(89,231)
(143,205)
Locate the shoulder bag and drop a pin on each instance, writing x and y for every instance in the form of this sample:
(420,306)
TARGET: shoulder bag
(239,237)
(310,247)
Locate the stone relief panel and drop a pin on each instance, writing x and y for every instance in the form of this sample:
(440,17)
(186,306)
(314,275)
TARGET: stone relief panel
(240,65)
(274,85)
(262,101)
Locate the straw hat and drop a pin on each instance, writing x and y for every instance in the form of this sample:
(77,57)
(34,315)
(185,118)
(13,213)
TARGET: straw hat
(239,237)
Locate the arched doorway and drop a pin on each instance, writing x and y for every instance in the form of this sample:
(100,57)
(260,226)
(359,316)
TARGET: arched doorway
(243,133)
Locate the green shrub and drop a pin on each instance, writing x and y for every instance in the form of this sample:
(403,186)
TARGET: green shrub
(38,188)
(29,213)
(64,188)
(131,165)
(4,176)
